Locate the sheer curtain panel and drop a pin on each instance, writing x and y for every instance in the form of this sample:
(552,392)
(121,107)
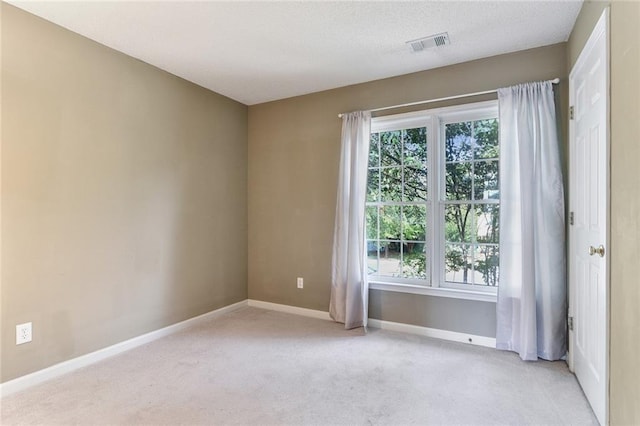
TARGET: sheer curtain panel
(349,287)
(532,306)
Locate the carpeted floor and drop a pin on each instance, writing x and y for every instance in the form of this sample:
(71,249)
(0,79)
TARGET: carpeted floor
(257,367)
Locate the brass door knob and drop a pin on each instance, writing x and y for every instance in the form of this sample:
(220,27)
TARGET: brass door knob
(599,250)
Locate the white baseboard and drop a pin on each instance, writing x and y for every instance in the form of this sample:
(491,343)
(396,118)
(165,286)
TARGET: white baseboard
(65,367)
(384,325)
(290,309)
(453,336)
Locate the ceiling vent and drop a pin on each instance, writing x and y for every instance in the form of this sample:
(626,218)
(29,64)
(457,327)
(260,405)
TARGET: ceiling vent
(435,40)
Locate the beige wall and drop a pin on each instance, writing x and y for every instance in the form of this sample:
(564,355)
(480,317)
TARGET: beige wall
(293,168)
(587,19)
(625,213)
(123,196)
(624,249)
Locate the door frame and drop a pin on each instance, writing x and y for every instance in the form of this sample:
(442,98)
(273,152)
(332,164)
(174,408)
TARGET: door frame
(602,26)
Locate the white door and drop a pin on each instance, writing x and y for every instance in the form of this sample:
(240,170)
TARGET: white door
(588,235)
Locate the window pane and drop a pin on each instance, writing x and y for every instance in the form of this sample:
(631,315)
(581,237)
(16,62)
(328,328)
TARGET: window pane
(415,184)
(458,223)
(458,260)
(374,153)
(390,259)
(372,222)
(488,223)
(415,147)
(486,138)
(373,247)
(458,181)
(373,185)
(414,260)
(487,265)
(486,180)
(458,142)
(390,225)
(414,223)
(391,184)
(391,148)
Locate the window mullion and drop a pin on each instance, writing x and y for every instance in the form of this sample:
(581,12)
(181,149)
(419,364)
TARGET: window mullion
(473,205)
(435,181)
(377,246)
(403,135)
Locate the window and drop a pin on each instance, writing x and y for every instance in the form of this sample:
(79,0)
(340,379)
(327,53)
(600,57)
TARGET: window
(433,201)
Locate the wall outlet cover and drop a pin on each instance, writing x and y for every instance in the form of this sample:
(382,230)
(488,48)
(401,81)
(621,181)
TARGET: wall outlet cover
(23,333)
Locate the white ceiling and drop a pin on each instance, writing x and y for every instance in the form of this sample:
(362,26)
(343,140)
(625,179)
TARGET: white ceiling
(260,51)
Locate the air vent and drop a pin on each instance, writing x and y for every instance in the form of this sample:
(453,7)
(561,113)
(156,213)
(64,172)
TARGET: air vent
(435,40)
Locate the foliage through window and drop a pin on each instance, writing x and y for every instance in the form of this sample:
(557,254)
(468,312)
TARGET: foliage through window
(471,202)
(433,198)
(397,203)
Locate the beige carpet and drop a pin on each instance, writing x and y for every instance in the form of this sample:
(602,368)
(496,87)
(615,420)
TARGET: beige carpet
(257,367)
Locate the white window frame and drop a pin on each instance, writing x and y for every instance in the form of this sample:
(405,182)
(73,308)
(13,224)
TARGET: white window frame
(435,120)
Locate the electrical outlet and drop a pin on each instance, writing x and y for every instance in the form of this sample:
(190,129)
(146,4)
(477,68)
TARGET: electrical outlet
(300,282)
(23,333)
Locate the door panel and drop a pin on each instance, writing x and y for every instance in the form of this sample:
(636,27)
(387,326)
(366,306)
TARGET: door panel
(588,193)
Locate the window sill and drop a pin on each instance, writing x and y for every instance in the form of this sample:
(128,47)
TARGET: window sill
(480,296)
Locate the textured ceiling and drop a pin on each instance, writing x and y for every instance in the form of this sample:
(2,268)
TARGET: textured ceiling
(260,51)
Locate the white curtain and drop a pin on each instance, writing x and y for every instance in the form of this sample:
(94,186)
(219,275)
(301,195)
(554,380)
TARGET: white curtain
(532,307)
(349,289)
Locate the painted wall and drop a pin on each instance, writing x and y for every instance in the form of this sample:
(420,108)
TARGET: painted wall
(624,250)
(123,196)
(625,213)
(293,169)
(586,21)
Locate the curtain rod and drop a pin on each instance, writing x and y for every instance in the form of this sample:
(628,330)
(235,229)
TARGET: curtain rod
(448,98)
